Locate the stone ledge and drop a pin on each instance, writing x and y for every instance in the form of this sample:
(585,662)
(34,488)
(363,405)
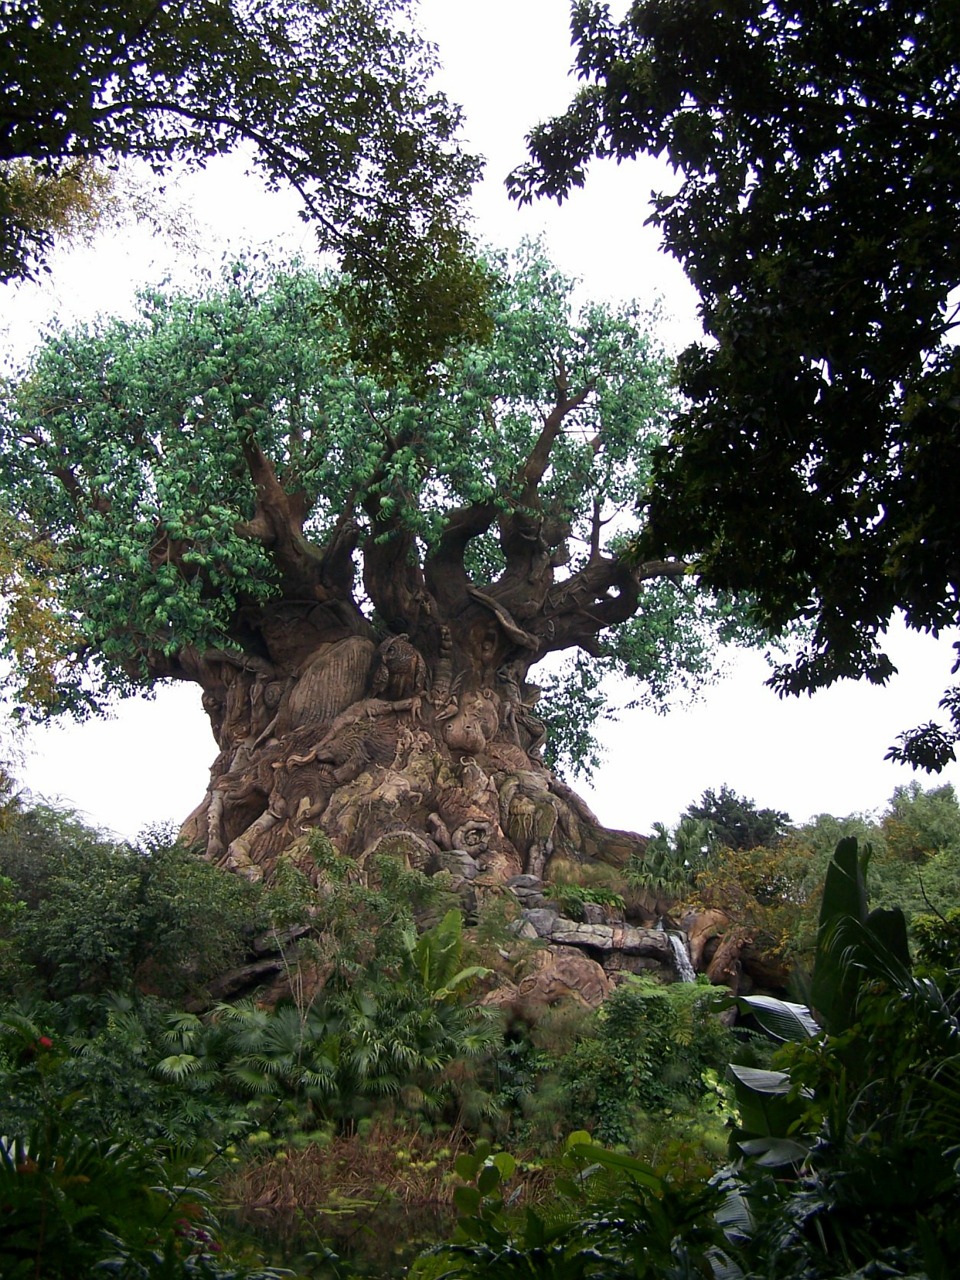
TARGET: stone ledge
(628,939)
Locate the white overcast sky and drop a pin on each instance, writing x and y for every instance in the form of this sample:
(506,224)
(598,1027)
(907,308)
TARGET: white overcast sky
(507,64)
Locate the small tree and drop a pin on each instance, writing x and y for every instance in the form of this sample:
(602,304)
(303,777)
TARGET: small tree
(736,823)
(85,913)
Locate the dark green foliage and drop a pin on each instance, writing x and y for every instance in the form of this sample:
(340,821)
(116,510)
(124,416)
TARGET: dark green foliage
(844,1155)
(915,843)
(332,99)
(11,909)
(937,948)
(918,824)
(98,914)
(816,214)
(673,860)
(390,1026)
(379,1016)
(78,1207)
(101,1066)
(650,1047)
(616,1217)
(647,1050)
(92,1198)
(774,889)
(882,1109)
(736,823)
(64,1197)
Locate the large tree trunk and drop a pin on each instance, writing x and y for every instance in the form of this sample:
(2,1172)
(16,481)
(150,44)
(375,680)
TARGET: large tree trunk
(427,750)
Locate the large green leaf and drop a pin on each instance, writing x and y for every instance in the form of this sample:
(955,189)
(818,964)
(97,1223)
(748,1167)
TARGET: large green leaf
(774,1153)
(839,970)
(768,1104)
(781,1019)
(635,1169)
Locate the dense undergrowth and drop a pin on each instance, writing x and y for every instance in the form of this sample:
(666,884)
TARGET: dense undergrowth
(341,1129)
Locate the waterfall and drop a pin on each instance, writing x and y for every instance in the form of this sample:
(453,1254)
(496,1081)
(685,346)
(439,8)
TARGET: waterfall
(681,958)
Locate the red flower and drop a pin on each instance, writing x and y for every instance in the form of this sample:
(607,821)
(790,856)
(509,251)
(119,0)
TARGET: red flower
(45,1042)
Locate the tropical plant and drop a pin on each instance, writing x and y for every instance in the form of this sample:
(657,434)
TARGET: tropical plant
(649,1049)
(394,1031)
(77,1203)
(65,1197)
(615,1217)
(937,944)
(99,1065)
(572,898)
(917,825)
(644,1053)
(669,865)
(867,1113)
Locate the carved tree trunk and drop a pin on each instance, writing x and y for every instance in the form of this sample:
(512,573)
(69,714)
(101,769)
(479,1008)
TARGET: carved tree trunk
(438,744)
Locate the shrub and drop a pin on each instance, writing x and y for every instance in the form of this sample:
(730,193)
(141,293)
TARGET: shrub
(105,915)
(649,1050)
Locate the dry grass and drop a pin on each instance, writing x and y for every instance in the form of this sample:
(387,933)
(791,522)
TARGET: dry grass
(384,1164)
(377,1197)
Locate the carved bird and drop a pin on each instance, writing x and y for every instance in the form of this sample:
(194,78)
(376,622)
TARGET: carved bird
(399,670)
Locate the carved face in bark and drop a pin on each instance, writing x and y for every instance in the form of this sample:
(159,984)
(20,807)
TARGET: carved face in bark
(474,724)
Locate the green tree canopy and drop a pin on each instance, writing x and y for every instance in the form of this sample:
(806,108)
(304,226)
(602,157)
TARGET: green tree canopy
(736,822)
(213,472)
(333,99)
(816,212)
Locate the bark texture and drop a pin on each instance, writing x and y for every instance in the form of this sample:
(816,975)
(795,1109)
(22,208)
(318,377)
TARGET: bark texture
(366,741)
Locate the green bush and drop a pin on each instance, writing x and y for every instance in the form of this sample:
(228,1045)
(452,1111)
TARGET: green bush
(648,1053)
(571,898)
(100,915)
(937,945)
(100,1065)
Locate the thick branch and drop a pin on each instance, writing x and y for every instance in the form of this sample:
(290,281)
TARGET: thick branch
(391,569)
(603,594)
(278,524)
(338,568)
(277,158)
(444,570)
(393,578)
(78,494)
(538,460)
(516,633)
(529,542)
(392,573)
(204,667)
